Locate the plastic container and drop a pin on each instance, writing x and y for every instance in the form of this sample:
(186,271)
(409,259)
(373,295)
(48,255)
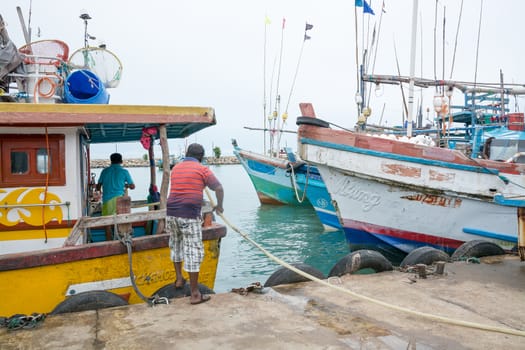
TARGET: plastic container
(42,83)
(515,121)
(84,86)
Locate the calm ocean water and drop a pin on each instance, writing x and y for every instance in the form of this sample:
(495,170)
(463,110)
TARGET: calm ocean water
(292,234)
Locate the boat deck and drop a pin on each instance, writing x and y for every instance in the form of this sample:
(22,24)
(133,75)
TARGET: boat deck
(312,316)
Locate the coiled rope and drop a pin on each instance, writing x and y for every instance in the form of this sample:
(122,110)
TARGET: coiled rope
(364,297)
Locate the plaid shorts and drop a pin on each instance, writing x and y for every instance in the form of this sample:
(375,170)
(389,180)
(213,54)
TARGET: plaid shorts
(186,241)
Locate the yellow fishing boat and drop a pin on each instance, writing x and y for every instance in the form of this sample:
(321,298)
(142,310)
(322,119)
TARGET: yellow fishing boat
(52,258)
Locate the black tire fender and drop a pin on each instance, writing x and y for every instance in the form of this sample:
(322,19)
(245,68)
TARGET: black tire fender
(92,300)
(284,275)
(477,248)
(424,255)
(169,291)
(359,260)
(312,121)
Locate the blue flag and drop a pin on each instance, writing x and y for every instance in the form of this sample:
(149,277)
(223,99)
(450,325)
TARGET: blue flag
(359,3)
(367,8)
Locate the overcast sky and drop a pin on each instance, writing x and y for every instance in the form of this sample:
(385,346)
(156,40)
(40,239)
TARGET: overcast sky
(211,53)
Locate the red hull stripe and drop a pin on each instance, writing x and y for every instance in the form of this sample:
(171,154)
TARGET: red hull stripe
(401,234)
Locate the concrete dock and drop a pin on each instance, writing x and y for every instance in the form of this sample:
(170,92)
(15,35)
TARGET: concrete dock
(311,315)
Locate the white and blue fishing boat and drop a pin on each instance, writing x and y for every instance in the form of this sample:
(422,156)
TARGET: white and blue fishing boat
(394,196)
(441,187)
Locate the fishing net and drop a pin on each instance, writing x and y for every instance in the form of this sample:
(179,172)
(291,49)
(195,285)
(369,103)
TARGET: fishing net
(105,64)
(46,52)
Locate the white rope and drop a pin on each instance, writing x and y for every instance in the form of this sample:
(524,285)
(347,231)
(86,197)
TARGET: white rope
(364,297)
(294,184)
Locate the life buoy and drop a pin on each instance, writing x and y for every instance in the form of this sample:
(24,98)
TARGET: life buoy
(359,261)
(424,255)
(92,300)
(284,275)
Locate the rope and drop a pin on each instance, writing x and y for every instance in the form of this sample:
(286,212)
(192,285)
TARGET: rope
(295,76)
(363,297)
(477,55)
(37,91)
(152,300)
(48,163)
(456,40)
(294,184)
(20,321)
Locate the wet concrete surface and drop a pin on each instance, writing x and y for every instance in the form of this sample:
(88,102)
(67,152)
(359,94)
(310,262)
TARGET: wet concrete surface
(310,315)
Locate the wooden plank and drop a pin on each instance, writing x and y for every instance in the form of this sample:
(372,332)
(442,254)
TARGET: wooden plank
(76,234)
(88,222)
(166,171)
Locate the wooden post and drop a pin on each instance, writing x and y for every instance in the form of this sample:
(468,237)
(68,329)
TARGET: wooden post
(152,168)
(152,182)
(165,173)
(521,233)
(124,207)
(421,270)
(440,267)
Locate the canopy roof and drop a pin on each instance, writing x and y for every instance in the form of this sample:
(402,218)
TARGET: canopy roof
(109,123)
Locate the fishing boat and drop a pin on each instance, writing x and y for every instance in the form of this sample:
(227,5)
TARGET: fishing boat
(286,180)
(53,253)
(431,187)
(271,177)
(393,196)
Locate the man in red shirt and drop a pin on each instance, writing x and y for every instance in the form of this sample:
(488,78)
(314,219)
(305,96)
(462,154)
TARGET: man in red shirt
(183,216)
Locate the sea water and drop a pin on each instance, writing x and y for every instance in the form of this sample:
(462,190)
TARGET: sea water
(292,234)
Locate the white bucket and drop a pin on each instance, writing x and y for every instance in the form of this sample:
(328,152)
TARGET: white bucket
(42,83)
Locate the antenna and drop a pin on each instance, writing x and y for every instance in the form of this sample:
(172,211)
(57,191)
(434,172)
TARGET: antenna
(85,16)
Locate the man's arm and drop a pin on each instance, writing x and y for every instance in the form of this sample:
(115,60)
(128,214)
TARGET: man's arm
(129,182)
(219,193)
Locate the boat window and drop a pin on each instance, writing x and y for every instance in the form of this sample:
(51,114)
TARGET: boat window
(32,160)
(19,162)
(42,161)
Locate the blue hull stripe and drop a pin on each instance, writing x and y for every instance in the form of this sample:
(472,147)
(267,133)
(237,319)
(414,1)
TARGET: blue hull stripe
(500,236)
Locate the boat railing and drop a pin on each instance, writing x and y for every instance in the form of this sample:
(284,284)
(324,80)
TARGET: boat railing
(79,235)
(28,205)
(40,80)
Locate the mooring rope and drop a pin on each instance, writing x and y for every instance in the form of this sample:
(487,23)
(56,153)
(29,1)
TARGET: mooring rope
(294,183)
(151,301)
(364,297)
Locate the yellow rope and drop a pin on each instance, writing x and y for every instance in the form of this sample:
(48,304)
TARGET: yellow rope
(372,300)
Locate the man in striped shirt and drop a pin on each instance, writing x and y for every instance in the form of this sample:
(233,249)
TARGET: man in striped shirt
(183,220)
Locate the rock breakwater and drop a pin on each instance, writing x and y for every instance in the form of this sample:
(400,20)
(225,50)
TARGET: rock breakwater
(138,162)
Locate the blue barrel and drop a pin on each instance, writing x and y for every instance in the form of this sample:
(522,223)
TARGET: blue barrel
(83,86)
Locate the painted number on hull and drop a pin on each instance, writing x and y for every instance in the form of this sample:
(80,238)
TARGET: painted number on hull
(435,200)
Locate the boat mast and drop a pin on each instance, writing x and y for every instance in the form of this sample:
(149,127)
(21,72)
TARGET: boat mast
(412,69)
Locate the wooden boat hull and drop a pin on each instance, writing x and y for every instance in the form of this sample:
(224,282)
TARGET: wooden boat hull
(270,178)
(273,181)
(38,281)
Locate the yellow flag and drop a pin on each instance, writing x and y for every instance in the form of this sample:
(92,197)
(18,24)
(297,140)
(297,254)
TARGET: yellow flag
(267,20)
